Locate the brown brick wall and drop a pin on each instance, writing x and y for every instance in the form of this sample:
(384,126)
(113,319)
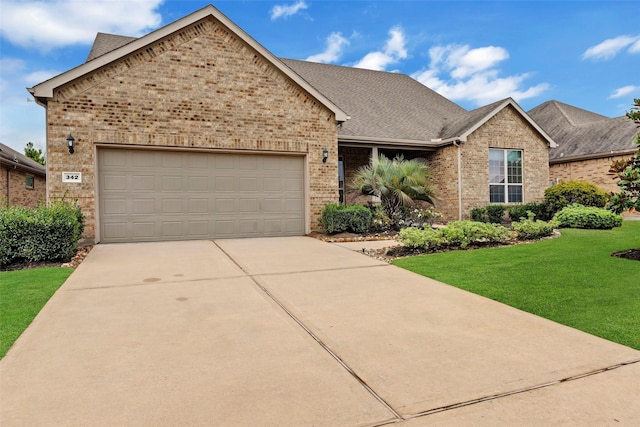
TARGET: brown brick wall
(595,171)
(444,163)
(200,88)
(507,129)
(18,194)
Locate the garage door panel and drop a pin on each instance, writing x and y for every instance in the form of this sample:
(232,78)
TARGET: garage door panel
(150,195)
(224,183)
(142,229)
(172,183)
(115,182)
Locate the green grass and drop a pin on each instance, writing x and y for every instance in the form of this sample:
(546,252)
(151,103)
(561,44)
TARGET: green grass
(23,293)
(572,279)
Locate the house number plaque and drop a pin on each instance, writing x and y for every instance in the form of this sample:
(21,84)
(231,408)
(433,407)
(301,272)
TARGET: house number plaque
(71,176)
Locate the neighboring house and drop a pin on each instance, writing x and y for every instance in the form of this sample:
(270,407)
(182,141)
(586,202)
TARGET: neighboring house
(587,143)
(22,180)
(196,131)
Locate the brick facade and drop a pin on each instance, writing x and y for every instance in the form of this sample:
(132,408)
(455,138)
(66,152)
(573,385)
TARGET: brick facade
(14,191)
(595,171)
(507,129)
(199,88)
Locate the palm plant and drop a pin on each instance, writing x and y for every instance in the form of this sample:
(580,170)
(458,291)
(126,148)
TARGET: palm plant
(396,182)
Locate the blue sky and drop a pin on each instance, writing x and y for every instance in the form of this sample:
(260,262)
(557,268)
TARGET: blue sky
(583,53)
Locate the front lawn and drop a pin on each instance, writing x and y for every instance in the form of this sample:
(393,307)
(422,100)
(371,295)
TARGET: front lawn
(23,293)
(572,279)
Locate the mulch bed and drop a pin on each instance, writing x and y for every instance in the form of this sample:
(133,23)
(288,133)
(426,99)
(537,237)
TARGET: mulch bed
(633,254)
(74,262)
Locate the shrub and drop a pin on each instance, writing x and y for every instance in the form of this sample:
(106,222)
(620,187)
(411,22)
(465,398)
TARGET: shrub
(421,238)
(527,228)
(495,213)
(380,221)
(578,216)
(337,218)
(46,233)
(567,193)
(463,233)
(457,233)
(517,212)
(479,215)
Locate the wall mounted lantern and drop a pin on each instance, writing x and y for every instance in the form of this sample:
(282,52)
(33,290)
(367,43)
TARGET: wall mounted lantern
(325,155)
(70,141)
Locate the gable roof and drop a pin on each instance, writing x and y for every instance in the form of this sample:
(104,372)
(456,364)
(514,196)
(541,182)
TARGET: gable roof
(13,159)
(102,56)
(581,134)
(466,125)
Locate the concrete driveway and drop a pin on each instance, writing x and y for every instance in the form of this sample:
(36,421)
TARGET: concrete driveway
(298,332)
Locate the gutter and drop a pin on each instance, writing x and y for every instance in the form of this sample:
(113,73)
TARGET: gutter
(433,143)
(593,156)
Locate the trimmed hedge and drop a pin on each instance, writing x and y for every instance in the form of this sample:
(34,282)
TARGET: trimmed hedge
(493,214)
(559,196)
(46,233)
(517,212)
(337,218)
(578,216)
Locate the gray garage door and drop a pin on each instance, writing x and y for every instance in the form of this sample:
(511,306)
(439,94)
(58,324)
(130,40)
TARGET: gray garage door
(149,195)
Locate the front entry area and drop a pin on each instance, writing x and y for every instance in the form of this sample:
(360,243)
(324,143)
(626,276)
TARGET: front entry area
(153,195)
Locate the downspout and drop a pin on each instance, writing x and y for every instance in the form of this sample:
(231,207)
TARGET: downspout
(457,144)
(8,192)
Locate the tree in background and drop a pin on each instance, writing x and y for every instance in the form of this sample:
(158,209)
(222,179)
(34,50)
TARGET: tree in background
(627,172)
(35,153)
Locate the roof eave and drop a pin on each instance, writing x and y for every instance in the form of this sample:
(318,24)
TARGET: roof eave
(45,89)
(434,143)
(592,156)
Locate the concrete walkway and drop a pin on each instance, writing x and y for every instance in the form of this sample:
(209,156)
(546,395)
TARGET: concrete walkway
(298,332)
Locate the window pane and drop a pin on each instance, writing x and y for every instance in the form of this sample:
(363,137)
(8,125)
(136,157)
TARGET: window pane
(514,167)
(515,194)
(496,166)
(496,193)
(30,181)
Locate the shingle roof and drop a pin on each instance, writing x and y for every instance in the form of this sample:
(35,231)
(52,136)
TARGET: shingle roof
(105,43)
(383,105)
(581,133)
(10,157)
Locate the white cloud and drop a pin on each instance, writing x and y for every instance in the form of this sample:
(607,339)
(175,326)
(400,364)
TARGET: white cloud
(43,25)
(285,11)
(624,91)
(335,43)
(39,76)
(393,51)
(458,72)
(611,47)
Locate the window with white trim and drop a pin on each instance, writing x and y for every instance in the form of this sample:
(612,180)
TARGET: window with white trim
(505,176)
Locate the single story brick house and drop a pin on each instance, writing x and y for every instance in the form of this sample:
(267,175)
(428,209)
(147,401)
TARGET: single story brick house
(587,143)
(196,131)
(23,181)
